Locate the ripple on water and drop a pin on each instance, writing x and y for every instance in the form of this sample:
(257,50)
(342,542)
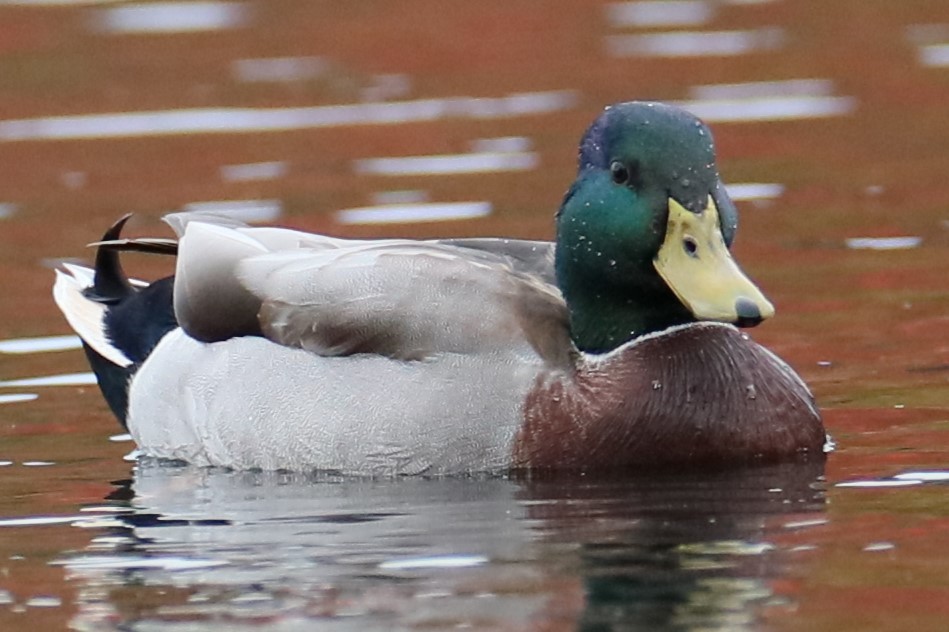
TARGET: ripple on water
(425,212)
(251,211)
(924,476)
(131,562)
(906,479)
(243,120)
(17,397)
(652,14)
(65,379)
(695,43)
(883,243)
(754,191)
(44,601)
(40,345)
(449,164)
(255,171)
(439,561)
(879,483)
(173,17)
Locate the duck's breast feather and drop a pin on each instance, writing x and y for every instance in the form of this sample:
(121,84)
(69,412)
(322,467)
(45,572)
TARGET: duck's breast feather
(691,395)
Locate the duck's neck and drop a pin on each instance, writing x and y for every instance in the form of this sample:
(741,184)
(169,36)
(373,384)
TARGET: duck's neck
(602,319)
(607,236)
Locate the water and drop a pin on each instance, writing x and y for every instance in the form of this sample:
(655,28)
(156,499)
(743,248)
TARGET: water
(668,550)
(410,119)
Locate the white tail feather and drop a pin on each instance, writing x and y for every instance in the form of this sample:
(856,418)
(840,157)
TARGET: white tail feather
(83,315)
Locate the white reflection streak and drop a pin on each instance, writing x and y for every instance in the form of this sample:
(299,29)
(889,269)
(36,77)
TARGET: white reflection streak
(55,3)
(172,17)
(764,89)
(33,521)
(754,191)
(927,476)
(694,44)
(482,162)
(767,101)
(873,484)
(237,120)
(67,379)
(40,345)
(510,144)
(278,69)
(653,13)
(43,602)
(404,196)
(883,243)
(444,561)
(130,562)
(432,212)
(934,55)
(17,397)
(244,210)
(769,108)
(254,171)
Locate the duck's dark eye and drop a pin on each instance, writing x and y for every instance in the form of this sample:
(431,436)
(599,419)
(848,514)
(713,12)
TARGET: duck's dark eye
(619,172)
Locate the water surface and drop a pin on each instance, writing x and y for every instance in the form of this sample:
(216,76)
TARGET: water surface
(417,119)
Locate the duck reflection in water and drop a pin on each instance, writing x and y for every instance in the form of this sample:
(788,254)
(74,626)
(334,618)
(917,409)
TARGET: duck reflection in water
(666,551)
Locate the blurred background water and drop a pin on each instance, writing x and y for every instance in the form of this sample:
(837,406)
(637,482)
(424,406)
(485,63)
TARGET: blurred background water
(424,118)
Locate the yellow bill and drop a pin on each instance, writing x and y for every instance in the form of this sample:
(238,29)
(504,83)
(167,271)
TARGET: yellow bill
(696,265)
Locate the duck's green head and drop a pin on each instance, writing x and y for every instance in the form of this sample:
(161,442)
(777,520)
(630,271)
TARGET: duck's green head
(643,233)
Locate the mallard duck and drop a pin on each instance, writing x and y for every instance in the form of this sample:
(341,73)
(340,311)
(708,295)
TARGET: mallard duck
(617,345)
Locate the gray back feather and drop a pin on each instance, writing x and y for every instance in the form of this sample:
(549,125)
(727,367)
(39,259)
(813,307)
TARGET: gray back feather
(398,298)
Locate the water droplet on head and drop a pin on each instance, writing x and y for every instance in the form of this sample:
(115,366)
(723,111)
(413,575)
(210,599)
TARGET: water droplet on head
(751,392)
(656,385)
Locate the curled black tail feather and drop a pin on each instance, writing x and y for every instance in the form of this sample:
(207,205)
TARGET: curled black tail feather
(135,320)
(111,285)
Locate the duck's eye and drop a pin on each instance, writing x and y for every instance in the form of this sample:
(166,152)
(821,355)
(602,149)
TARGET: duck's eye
(619,172)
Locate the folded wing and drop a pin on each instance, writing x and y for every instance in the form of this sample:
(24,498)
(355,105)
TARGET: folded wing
(400,298)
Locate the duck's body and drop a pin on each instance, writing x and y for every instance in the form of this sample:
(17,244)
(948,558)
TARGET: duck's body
(286,350)
(272,407)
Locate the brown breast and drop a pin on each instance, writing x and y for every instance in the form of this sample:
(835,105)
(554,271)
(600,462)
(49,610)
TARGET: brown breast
(702,394)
